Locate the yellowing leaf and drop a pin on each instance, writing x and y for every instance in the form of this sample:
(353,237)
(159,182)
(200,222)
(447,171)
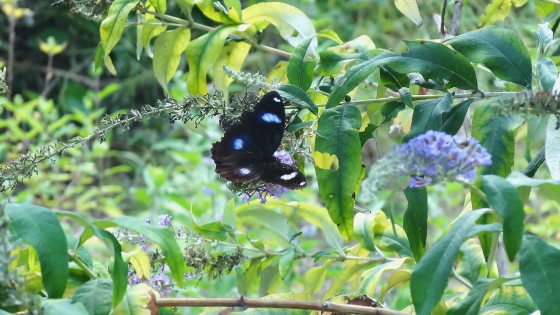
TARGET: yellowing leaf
(325,160)
(138,300)
(168,49)
(233,55)
(150,31)
(292,24)
(113,26)
(498,10)
(141,263)
(410,9)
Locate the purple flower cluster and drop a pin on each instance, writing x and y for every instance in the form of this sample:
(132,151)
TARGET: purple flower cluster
(436,156)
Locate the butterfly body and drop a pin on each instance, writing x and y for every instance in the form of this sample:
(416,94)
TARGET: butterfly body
(245,152)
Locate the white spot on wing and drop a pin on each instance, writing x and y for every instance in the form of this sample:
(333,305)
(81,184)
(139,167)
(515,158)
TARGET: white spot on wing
(244,171)
(238,144)
(270,118)
(276,99)
(288,176)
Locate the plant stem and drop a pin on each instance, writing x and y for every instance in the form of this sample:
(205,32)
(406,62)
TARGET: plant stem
(535,163)
(271,304)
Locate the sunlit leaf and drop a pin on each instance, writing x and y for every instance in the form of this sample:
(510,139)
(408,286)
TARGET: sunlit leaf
(498,10)
(113,25)
(168,48)
(410,9)
(140,299)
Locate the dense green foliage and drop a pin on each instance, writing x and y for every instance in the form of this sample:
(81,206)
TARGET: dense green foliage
(111,205)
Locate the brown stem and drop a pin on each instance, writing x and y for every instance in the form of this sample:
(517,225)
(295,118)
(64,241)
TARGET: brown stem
(456,21)
(285,304)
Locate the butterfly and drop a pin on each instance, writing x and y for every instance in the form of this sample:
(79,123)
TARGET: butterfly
(245,152)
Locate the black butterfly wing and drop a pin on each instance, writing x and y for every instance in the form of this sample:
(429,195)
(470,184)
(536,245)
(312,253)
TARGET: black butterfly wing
(267,122)
(238,155)
(285,175)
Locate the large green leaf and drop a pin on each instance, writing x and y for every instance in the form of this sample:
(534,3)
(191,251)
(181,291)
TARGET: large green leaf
(538,264)
(95,295)
(300,70)
(337,136)
(119,271)
(112,27)
(504,199)
(500,50)
(428,115)
(292,24)
(437,62)
(415,221)
(40,228)
(496,135)
(168,49)
(430,277)
(202,53)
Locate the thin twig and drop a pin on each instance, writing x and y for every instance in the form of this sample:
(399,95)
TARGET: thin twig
(242,302)
(442,24)
(456,20)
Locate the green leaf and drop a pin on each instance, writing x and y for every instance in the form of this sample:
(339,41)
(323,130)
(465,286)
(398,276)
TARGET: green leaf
(552,147)
(504,199)
(119,271)
(150,31)
(454,118)
(159,5)
(285,263)
(406,96)
(415,221)
(331,62)
(348,272)
(498,10)
(509,299)
(300,71)
(163,237)
(363,230)
(40,228)
(228,13)
(337,135)
(538,264)
(392,79)
(112,27)
(62,306)
(496,135)
(296,95)
(168,48)
(330,34)
(548,73)
(233,55)
(518,179)
(371,278)
(438,62)
(354,76)
(389,237)
(202,53)
(430,277)
(410,9)
(500,50)
(428,115)
(470,305)
(315,277)
(292,24)
(471,260)
(95,295)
